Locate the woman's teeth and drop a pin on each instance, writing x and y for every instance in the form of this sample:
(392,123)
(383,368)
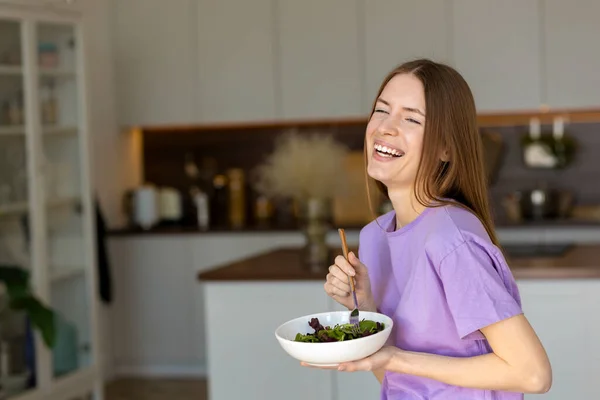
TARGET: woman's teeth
(385,151)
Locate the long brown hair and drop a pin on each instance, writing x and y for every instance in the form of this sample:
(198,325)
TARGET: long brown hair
(451,125)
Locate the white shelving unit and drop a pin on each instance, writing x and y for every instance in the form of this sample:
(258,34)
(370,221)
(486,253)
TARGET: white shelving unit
(46,210)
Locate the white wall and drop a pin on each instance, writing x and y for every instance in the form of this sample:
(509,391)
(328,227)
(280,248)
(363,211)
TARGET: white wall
(113,152)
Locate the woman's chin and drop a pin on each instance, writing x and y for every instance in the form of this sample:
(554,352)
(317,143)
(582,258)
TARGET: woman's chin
(378,175)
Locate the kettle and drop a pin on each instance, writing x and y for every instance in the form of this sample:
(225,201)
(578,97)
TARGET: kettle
(146,206)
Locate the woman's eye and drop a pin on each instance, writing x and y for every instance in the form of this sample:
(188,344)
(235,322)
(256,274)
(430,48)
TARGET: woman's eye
(379,110)
(414,121)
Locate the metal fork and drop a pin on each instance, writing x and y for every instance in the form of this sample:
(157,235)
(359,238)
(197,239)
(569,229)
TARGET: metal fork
(354,320)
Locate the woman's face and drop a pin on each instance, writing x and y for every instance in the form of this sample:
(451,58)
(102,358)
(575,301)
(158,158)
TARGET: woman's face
(394,135)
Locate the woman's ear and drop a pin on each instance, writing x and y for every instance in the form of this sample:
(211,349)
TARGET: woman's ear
(445,156)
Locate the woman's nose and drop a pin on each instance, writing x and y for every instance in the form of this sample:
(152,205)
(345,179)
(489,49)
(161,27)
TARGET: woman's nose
(389,127)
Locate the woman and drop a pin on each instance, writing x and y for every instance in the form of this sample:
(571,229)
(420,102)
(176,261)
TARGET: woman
(433,263)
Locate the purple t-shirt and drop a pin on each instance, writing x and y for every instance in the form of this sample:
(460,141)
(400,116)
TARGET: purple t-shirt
(440,279)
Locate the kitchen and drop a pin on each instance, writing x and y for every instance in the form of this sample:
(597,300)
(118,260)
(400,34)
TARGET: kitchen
(177,118)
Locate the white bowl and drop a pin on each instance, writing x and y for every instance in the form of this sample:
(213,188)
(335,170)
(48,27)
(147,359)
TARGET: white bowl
(332,353)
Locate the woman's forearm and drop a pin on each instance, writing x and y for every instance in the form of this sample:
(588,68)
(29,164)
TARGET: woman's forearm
(487,371)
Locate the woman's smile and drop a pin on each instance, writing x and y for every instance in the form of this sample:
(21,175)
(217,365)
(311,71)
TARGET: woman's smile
(385,152)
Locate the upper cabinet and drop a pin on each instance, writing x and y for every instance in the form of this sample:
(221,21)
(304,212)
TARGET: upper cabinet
(66,5)
(320,60)
(206,61)
(155,61)
(396,31)
(572,60)
(496,47)
(235,60)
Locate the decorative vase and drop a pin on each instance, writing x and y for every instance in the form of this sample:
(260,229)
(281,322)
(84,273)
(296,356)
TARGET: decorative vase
(315,219)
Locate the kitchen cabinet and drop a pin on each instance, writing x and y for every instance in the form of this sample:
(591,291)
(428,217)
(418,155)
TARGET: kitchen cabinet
(244,344)
(496,47)
(320,59)
(399,30)
(562,311)
(153,311)
(155,61)
(62,5)
(65,5)
(235,71)
(158,316)
(202,62)
(162,316)
(47,214)
(564,315)
(571,61)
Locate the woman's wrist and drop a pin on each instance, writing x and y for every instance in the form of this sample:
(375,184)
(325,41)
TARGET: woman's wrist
(369,305)
(396,362)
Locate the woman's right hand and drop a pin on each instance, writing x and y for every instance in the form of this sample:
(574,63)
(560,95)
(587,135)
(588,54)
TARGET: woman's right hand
(338,287)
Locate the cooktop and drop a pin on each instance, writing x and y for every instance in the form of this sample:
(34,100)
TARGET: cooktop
(536,250)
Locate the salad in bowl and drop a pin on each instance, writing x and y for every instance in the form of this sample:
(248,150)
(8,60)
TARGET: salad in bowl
(327,339)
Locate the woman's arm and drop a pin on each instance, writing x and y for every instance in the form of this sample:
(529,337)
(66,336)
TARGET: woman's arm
(518,363)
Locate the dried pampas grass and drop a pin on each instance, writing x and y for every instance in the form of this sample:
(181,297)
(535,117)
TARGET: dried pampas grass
(303,166)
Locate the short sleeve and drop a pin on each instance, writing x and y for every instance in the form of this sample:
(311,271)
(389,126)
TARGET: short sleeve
(479,289)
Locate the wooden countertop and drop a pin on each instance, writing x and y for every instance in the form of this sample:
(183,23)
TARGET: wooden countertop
(294,228)
(579,262)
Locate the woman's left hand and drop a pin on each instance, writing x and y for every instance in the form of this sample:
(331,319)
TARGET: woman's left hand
(379,360)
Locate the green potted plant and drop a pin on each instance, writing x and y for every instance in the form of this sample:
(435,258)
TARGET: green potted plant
(21,298)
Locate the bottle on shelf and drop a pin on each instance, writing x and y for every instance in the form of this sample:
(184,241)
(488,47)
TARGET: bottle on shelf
(237,198)
(202,204)
(220,201)
(49,104)
(564,145)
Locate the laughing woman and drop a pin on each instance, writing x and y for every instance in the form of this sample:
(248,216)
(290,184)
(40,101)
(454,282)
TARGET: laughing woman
(433,264)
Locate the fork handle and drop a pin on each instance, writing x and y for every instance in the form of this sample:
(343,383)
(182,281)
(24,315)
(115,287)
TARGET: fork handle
(351,279)
(345,250)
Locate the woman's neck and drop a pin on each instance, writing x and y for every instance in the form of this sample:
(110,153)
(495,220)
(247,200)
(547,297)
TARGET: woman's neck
(406,206)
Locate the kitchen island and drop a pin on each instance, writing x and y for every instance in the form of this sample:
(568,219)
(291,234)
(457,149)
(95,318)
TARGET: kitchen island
(247,299)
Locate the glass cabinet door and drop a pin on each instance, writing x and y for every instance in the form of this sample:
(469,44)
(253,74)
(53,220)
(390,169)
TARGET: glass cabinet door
(17,363)
(67,250)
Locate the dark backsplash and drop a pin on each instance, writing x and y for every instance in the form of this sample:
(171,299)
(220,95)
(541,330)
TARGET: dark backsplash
(164,154)
(579,177)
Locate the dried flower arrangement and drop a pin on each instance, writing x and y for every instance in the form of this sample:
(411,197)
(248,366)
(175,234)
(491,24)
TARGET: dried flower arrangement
(303,166)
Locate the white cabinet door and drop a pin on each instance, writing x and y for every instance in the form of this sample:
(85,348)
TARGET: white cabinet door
(245,361)
(211,251)
(399,30)
(563,317)
(572,60)
(153,316)
(68,5)
(155,61)
(496,47)
(320,58)
(235,60)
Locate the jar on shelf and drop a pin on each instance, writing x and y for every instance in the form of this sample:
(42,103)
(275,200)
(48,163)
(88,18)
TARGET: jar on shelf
(48,55)
(14,110)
